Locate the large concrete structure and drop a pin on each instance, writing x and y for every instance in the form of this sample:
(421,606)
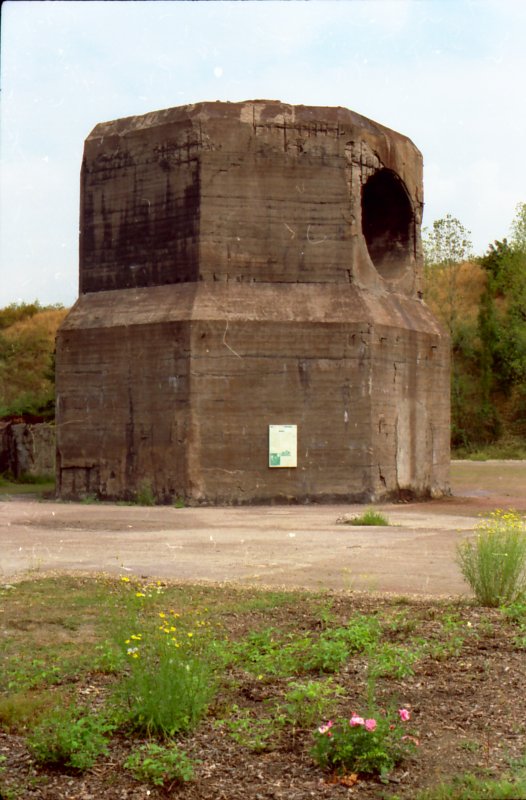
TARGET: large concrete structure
(246,265)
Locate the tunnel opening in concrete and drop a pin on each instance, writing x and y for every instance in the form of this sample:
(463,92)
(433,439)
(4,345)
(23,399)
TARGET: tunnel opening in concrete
(387,223)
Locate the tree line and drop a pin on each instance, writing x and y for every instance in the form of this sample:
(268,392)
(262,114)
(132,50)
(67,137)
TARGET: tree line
(482,303)
(27,362)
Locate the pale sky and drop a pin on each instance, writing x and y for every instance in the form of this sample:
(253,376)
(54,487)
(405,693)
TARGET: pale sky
(450,74)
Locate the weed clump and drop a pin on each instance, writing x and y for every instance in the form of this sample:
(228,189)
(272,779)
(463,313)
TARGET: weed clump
(494,563)
(145,495)
(369,517)
(70,737)
(160,765)
(170,680)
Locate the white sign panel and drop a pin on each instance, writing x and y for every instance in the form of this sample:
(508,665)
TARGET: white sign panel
(283,445)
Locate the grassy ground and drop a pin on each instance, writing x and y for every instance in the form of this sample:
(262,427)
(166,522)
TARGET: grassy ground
(264,669)
(510,448)
(43,488)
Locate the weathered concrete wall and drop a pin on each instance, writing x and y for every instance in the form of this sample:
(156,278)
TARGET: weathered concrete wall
(27,449)
(244,265)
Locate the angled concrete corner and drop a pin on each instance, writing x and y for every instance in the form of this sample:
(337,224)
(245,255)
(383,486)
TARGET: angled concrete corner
(245,265)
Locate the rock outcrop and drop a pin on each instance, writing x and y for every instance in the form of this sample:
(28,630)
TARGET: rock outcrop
(27,449)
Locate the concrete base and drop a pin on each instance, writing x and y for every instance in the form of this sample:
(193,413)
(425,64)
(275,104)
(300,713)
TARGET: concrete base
(172,390)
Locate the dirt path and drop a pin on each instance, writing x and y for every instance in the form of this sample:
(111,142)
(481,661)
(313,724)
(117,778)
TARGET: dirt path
(280,546)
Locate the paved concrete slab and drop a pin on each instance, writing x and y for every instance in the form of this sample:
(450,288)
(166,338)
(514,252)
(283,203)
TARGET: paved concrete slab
(292,546)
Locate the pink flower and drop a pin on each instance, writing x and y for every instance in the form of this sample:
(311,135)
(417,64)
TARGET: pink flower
(370,724)
(404,714)
(356,720)
(326,728)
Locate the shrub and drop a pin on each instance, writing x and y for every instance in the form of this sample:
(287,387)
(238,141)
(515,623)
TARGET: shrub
(270,652)
(307,702)
(159,765)
(71,737)
(494,563)
(371,746)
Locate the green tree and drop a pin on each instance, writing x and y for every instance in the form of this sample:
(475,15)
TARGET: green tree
(446,246)
(489,424)
(15,312)
(446,243)
(485,313)
(502,327)
(518,229)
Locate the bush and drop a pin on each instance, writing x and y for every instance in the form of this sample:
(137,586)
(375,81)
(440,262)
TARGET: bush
(494,563)
(71,737)
(371,746)
(307,702)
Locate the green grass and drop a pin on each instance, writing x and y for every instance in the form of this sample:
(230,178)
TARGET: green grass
(369,517)
(35,484)
(471,787)
(20,710)
(160,765)
(145,495)
(511,448)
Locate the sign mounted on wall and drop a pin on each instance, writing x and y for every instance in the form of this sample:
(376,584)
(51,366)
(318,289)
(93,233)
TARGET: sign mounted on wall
(283,445)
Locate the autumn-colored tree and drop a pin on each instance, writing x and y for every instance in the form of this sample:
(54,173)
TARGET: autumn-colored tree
(27,343)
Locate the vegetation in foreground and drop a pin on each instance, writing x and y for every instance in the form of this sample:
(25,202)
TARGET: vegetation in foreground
(494,563)
(112,686)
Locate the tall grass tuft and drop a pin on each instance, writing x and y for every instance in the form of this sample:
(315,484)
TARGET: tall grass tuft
(369,517)
(145,495)
(494,563)
(170,680)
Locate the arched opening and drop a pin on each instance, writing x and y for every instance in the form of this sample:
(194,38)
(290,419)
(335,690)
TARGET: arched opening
(387,222)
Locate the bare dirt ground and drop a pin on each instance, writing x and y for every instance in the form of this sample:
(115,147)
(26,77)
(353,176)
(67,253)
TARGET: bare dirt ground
(277,546)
